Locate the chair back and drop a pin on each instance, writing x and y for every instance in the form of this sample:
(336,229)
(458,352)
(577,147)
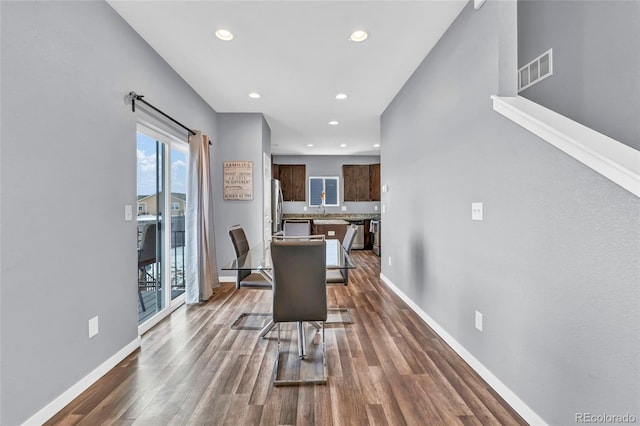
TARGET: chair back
(349,236)
(241,247)
(239,240)
(297,228)
(147,252)
(299,280)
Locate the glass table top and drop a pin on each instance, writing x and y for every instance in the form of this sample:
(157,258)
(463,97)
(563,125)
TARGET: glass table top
(259,258)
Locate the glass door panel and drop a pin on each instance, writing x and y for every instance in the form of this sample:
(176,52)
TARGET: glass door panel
(151,175)
(178,158)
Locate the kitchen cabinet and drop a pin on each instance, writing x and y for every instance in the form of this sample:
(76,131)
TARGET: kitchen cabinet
(361,182)
(293,178)
(374,182)
(331,229)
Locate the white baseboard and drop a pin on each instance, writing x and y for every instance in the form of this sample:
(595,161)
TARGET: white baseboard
(227,279)
(74,391)
(509,396)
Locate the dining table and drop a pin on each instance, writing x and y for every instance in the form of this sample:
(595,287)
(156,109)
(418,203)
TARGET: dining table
(258,259)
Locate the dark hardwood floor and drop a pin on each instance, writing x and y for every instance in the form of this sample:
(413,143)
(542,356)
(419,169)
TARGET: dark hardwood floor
(388,368)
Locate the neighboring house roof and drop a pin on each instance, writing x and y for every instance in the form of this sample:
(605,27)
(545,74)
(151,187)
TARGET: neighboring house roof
(177,195)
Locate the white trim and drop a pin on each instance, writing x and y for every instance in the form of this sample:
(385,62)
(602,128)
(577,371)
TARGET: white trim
(324,189)
(616,161)
(151,322)
(51,409)
(226,279)
(509,396)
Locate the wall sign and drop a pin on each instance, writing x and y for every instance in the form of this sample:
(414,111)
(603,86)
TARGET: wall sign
(238,180)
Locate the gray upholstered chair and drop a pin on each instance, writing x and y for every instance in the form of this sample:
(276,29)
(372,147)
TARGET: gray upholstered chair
(296,228)
(146,259)
(246,278)
(299,294)
(341,276)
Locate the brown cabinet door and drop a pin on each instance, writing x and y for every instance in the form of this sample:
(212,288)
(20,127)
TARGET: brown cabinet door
(362,183)
(356,182)
(374,182)
(292,178)
(298,182)
(349,179)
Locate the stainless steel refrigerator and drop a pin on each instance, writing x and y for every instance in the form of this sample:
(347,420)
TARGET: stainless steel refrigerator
(276,207)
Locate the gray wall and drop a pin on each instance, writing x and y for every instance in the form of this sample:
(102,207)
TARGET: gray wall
(328,165)
(68,164)
(554,265)
(596,62)
(241,137)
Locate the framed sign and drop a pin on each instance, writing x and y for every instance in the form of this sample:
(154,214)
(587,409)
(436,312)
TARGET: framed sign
(238,180)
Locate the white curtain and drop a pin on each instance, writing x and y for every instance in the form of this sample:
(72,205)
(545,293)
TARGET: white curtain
(201,266)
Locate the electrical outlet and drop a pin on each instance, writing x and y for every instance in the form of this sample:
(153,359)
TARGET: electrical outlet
(478,321)
(93,327)
(375,208)
(304,208)
(476,211)
(389,260)
(344,208)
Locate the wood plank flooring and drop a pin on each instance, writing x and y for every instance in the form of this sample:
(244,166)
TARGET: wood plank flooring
(388,368)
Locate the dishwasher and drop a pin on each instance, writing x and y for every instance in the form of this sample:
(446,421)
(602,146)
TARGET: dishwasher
(358,241)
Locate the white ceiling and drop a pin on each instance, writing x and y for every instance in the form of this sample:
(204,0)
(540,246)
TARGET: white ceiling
(298,56)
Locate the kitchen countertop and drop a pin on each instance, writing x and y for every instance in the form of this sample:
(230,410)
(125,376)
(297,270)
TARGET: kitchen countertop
(330,222)
(339,216)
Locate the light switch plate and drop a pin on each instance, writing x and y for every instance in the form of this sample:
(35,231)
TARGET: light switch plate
(476,211)
(128,212)
(478,321)
(93,327)
(344,208)
(331,233)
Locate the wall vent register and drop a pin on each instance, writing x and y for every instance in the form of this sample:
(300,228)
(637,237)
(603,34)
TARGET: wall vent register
(536,70)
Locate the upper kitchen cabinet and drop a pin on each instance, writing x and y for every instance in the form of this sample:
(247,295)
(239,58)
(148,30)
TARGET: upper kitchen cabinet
(361,182)
(374,182)
(293,178)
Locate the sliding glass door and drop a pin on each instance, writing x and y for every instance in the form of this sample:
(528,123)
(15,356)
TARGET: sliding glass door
(162,198)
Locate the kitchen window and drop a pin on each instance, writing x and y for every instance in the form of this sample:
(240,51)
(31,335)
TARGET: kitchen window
(323,185)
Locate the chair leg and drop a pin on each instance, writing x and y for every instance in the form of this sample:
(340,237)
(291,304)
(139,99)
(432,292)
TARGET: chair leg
(144,309)
(349,315)
(236,324)
(284,382)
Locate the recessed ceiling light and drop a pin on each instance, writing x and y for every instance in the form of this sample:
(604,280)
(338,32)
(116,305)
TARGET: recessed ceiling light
(309,145)
(223,34)
(343,145)
(255,95)
(341,96)
(377,145)
(358,36)
(333,123)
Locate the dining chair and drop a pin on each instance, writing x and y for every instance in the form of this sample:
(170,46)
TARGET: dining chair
(246,278)
(341,276)
(146,258)
(299,295)
(296,227)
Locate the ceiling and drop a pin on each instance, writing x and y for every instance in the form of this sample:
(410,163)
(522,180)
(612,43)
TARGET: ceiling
(298,56)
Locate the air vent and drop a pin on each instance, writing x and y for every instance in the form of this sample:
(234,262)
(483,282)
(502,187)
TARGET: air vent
(536,70)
